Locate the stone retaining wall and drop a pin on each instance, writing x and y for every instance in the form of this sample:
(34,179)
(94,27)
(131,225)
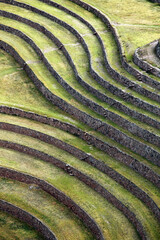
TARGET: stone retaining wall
(126,96)
(138,147)
(134,164)
(27,218)
(158,49)
(116,104)
(147,136)
(57,194)
(145,65)
(129,68)
(131,187)
(111,71)
(88,221)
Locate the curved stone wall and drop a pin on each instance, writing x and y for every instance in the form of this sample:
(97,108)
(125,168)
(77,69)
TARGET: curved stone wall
(144,134)
(112,72)
(73,172)
(80,155)
(158,49)
(134,164)
(129,68)
(57,194)
(90,223)
(27,218)
(126,96)
(112,102)
(145,65)
(147,136)
(147,152)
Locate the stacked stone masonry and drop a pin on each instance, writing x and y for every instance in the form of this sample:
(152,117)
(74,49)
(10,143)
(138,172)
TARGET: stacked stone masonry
(96,124)
(111,116)
(98,94)
(157,50)
(87,220)
(112,72)
(129,68)
(82,156)
(57,194)
(115,134)
(145,65)
(126,96)
(108,114)
(27,218)
(134,164)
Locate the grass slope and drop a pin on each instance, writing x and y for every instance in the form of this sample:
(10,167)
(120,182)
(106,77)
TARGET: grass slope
(17,90)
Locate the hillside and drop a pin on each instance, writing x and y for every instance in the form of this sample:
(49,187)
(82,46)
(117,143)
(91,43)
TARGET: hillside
(80,119)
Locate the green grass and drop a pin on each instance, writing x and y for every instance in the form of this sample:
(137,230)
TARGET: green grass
(18,87)
(82,63)
(19,98)
(110,46)
(100,210)
(11,228)
(86,129)
(137,41)
(46,208)
(128,199)
(18,91)
(89,39)
(42,72)
(59,66)
(139,28)
(80,144)
(51,83)
(144,11)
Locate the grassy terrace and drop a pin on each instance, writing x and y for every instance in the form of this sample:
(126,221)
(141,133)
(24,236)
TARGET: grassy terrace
(96,206)
(52,213)
(27,97)
(81,59)
(23,163)
(136,41)
(52,55)
(131,27)
(89,38)
(13,229)
(41,71)
(99,26)
(38,107)
(17,90)
(103,212)
(75,141)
